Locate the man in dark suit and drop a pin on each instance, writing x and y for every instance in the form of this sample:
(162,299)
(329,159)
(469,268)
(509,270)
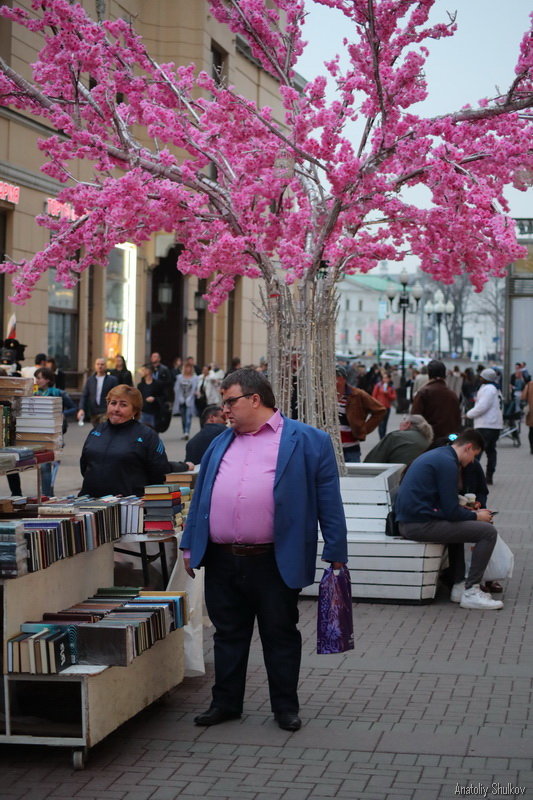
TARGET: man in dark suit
(212,424)
(164,376)
(264,486)
(94,393)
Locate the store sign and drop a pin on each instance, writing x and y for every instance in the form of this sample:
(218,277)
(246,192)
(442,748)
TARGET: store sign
(62,210)
(9,192)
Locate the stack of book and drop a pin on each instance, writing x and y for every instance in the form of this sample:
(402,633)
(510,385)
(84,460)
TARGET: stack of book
(162,506)
(182,478)
(61,529)
(7,460)
(10,388)
(42,648)
(64,527)
(13,550)
(39,422)
(186,482)
(131,515)
(24,456)
(7,423)
(186,496)
(111,628)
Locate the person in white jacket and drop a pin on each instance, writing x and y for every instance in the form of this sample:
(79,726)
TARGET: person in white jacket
(488,417)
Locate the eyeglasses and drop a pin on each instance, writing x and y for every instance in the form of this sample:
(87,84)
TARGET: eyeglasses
(230,402)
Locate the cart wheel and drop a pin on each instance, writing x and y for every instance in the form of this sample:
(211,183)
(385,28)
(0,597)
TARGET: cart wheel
(79,757)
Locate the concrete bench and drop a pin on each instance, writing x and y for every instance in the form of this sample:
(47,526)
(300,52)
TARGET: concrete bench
(381,567)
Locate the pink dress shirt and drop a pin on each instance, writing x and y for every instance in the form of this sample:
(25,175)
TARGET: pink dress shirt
(242,501)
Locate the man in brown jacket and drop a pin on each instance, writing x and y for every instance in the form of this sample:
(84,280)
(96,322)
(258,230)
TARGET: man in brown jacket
(438,404)
(359,414)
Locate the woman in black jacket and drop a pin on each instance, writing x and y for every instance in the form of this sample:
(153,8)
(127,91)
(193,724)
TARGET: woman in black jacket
(121,455)
(121,372)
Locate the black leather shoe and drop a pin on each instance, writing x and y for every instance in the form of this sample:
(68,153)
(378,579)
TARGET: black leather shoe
(214,716)
(288,720)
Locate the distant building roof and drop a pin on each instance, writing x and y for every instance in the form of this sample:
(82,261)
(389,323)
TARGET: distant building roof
(373,282)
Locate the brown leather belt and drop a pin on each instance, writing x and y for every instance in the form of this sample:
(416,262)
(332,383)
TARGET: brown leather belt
(245,549)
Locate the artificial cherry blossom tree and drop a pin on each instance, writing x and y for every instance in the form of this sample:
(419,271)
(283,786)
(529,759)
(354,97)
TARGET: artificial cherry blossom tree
(297,202)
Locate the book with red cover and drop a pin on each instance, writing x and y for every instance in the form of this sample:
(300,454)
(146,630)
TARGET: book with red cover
(44,455)
(158,525)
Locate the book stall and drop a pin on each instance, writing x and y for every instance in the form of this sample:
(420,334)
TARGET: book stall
(80,655)
(31,427)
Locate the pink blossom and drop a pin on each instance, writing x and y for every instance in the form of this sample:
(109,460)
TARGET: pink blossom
(289,193)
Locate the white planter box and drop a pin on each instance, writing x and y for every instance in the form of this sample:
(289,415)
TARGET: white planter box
(381,567)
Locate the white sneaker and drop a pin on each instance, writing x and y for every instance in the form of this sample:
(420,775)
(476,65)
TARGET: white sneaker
(475,598)
(457,592)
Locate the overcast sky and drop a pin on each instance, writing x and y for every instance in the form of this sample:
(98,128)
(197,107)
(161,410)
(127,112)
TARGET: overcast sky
(462,69)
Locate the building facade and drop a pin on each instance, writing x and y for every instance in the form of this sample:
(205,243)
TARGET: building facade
(139,301)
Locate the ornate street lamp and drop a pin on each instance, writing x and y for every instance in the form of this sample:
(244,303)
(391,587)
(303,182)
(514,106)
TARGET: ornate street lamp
(403,305)
(437,309)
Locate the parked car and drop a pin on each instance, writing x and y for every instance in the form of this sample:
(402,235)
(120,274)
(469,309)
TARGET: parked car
(395,357)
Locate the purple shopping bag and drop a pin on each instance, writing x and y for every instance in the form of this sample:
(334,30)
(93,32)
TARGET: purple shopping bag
(334,621)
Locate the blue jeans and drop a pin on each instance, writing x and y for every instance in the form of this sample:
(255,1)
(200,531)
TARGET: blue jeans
(48,472)
(382,427)
(186,417)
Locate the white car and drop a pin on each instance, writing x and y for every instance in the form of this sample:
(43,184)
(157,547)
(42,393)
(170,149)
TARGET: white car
(395,357)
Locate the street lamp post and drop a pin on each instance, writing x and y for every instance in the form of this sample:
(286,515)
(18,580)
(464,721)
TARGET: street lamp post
(404,305)
(439,309)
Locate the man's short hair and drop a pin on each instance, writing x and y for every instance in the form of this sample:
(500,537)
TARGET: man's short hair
(436,369)
(471,436)
(251,382)
(40,357)
(209,411)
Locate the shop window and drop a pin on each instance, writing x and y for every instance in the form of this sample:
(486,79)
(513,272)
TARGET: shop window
(119,325)
(218,64)
(63,310)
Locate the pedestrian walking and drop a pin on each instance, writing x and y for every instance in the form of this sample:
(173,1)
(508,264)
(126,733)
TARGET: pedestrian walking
(152,392)
(385,393)
(527,397)
(263,487)
(487,415)
(121,371)
(185,389)
(93,397)
(437,403)
(359,415)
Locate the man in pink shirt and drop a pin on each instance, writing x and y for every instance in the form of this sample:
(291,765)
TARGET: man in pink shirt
(264,487)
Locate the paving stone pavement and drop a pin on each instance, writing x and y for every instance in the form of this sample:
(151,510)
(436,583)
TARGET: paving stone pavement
(433,703)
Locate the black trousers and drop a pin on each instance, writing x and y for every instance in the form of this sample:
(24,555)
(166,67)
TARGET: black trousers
(239,589)
(490,436)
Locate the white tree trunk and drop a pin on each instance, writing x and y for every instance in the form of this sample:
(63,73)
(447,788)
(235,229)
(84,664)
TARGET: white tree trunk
(301,353)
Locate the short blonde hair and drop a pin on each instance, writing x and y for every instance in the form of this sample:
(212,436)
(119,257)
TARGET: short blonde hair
(129,393)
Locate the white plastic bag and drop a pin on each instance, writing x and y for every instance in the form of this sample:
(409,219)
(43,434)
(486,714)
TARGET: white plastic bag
(501,564)
(193,641)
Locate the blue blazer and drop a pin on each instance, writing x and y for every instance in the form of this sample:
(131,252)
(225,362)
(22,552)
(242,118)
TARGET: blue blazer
(306,494)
